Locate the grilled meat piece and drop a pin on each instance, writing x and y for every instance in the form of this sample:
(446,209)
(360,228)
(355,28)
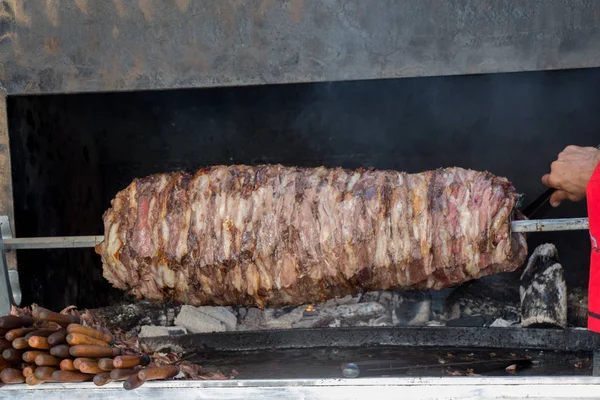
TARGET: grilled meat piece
(276,235)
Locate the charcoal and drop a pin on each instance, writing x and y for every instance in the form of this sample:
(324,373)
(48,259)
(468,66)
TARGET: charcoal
(412,308)
(489,300)
(254,320)
(543,290)
(577,307)
(131,317)
(277,320)
(158,331)
(361,314)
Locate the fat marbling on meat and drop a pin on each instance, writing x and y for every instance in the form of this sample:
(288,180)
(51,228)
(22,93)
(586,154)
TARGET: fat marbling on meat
(276,235)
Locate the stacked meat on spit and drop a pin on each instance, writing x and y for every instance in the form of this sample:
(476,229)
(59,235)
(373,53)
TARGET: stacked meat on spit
(275,235)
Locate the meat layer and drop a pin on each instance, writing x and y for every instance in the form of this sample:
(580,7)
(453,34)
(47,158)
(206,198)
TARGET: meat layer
(276,235)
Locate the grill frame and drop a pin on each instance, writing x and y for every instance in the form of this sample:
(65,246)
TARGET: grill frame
(59,69)
(329,389)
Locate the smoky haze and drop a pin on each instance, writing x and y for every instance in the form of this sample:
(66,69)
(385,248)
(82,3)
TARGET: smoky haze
(72,153)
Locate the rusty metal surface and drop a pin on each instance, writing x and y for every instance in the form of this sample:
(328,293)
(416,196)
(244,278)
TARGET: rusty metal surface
(55,46)
(6,193)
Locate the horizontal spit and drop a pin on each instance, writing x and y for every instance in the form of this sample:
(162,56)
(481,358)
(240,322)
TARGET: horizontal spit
(70,242)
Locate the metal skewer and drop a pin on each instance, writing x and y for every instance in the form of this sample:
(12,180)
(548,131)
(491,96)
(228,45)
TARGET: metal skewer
(10,291)
(70,242)
(550,225)
(58,242)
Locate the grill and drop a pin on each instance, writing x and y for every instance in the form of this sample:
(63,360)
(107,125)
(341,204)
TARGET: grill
(95,95)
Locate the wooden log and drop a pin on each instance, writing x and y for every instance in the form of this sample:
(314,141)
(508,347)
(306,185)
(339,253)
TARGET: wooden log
(11,376)
(543,290)
(130,361)
(20,343)
(58,337)
(106,364)
(67,365)
(46,360)
(12,355)
(44,374)
(133,382)
(29,356)
(61,319)
(61,351)
(70,376)
(83,350)
(78,338)
(89,332)
(130,317)
(155,373)
(102,379)
(18,333)
(39,342)
(12,322)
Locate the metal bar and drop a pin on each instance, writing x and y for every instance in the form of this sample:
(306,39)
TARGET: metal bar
(429,336)
(328,389)
(550,225)
(6,295)
(67,242)
(63,242)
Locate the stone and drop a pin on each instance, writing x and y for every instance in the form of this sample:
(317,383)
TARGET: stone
(206,319)
(158,331)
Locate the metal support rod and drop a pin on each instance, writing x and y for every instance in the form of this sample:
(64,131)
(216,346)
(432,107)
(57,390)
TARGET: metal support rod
(550,225)
(6,293)
(63,242)
(69,242)
(596,363)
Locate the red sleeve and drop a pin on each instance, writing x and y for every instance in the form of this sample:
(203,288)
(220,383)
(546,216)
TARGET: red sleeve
(593,204)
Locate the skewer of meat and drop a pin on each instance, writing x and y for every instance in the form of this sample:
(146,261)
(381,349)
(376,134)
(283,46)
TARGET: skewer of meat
(276,235)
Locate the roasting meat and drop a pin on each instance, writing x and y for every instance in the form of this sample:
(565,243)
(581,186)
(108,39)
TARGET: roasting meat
(276,235)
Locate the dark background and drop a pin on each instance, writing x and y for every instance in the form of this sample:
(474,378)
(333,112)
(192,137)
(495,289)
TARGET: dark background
(72,153)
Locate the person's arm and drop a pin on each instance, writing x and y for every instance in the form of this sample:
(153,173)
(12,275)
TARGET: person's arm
(571,172)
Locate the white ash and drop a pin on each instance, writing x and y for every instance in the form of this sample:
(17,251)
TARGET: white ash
(502,323)
(158,331)
(359,314)
(206,319)
(381,308)
(483,303)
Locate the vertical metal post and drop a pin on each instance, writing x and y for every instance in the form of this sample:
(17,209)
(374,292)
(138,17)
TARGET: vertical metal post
(6,191)
(596,363)
(6,295)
